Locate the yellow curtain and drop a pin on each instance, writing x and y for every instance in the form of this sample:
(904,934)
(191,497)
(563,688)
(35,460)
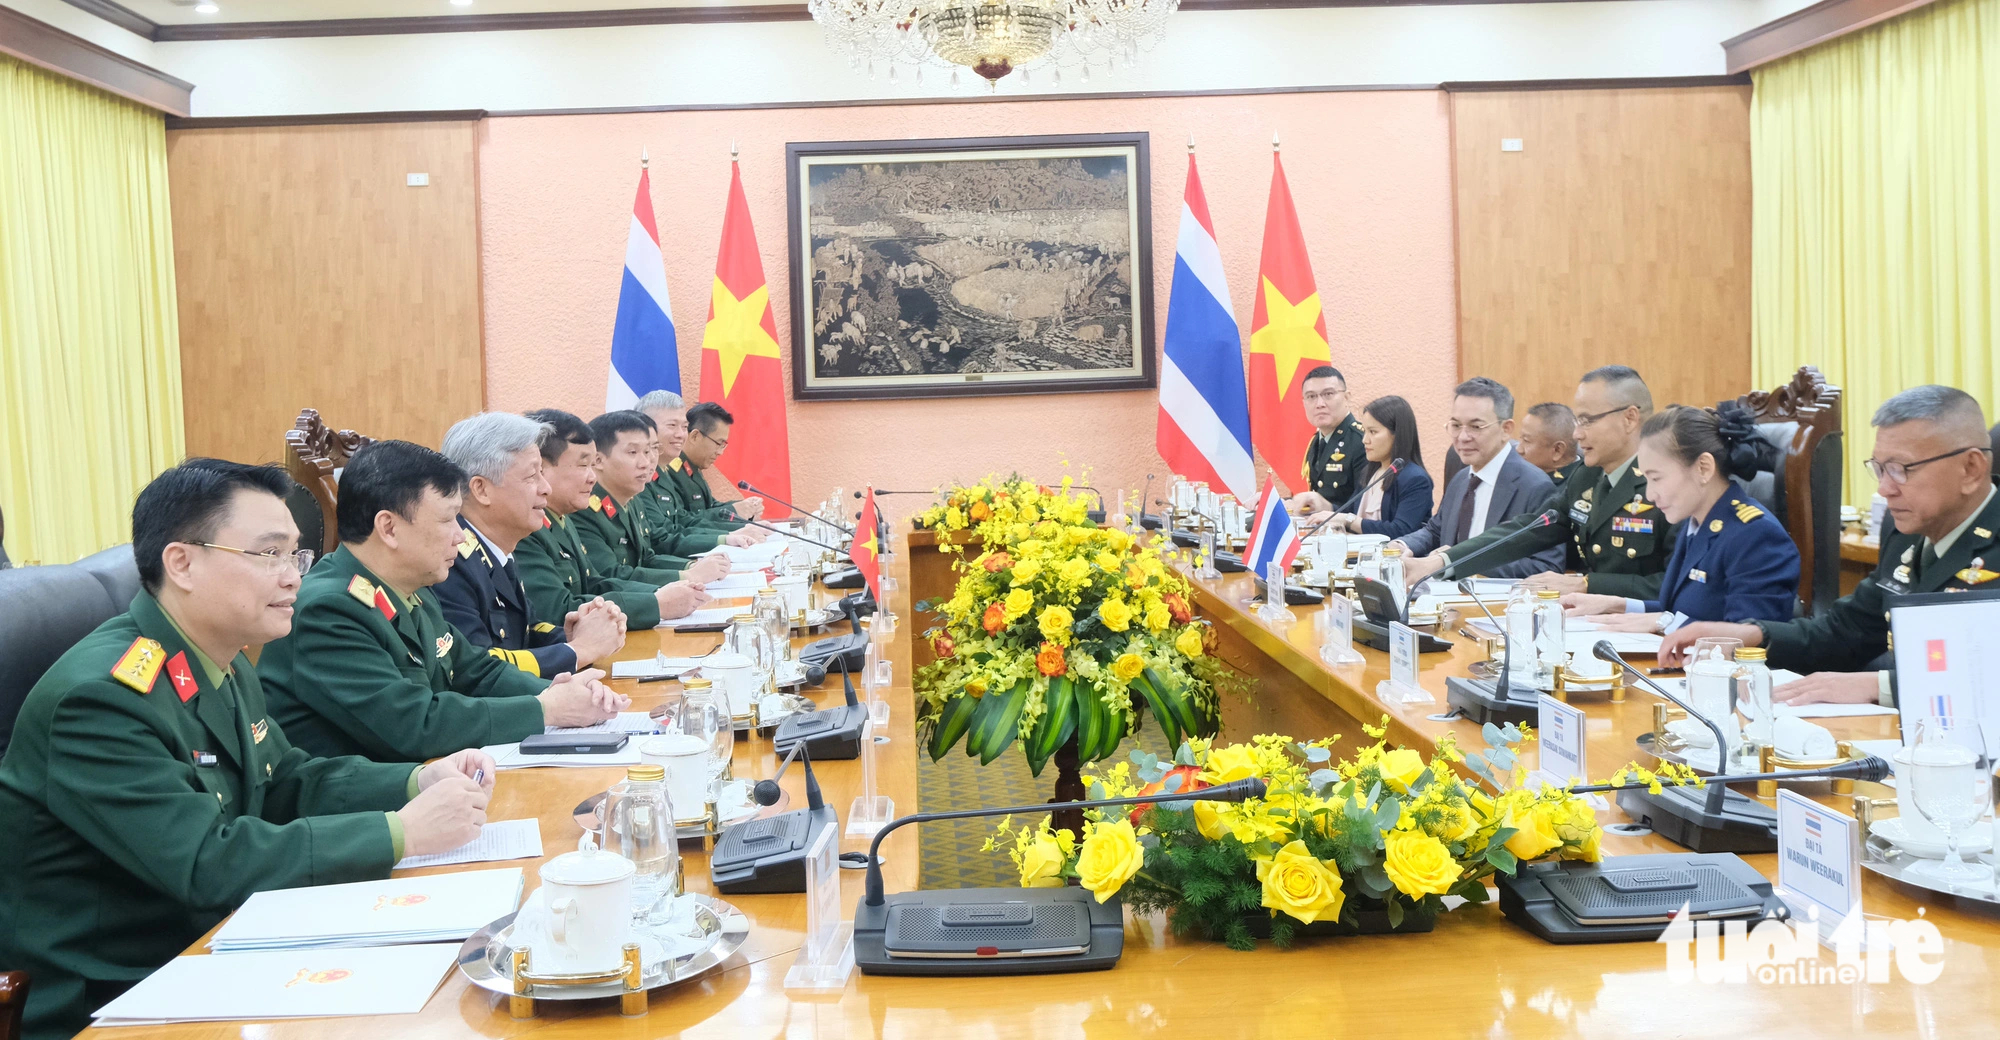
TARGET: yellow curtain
(1875,161)
(90,367)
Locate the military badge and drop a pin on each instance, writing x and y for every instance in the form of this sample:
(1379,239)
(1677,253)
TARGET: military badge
(444,644)
(1632,524)
(259,730)
(182,677)
(140,667)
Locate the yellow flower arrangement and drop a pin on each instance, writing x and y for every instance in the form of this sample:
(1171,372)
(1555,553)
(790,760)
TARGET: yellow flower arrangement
(1387,831)
(1067,630)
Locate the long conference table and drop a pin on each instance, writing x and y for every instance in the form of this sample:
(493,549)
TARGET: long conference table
(1476,974)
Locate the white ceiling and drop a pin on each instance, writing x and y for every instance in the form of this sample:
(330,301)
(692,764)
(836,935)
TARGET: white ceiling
(182,12)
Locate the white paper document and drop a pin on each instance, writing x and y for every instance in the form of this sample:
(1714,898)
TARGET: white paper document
(624,722)
(436,908)
(705,617)
(382,980)
(1624,642)
(647,667)
(509,756)
(742,583)
(507,839)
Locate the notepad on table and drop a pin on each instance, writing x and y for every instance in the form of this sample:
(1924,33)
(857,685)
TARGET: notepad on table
(435,908)
(381,980)
(650,667)
(509,756)
(706,617)
(624,722)
(506,839)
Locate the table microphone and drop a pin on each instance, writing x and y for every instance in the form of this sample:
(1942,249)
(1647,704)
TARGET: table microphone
(878,491)
(1143,518)
(831,735)
(1724,821)
(768,854)
(1506,644)
(1547,517)
(747,486)
(1000,931)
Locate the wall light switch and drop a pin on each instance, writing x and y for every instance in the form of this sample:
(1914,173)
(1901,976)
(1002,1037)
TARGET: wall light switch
(1510,144)
(423,180)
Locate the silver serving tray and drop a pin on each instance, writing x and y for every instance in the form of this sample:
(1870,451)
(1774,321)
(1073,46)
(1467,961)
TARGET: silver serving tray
(1880,857)
(486,962)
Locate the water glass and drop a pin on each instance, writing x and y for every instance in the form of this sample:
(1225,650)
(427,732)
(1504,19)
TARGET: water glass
(638,824)
(1951,781)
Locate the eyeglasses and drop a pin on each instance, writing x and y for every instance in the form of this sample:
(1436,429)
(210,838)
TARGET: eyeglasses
(1477,428)
(1899,472)
(719,444)
(1583,420)
(300,560)
(1324,396)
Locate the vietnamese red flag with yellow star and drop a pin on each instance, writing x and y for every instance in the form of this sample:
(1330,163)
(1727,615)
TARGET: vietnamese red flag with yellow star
(1287,336)
(739,358)
(866,552)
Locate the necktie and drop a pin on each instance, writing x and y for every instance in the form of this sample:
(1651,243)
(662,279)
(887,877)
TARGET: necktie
(1466,506)
(513,579)
(1926,558)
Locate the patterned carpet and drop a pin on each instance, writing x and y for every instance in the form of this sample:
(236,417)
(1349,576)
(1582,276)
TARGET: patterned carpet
(950,849)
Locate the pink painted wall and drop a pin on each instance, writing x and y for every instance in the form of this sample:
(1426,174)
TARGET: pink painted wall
(1370,173)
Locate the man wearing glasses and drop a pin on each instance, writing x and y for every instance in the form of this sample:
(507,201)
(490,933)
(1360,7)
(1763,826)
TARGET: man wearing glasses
(1932,463)
(1495,484)
(708,426)
(1332,470)
(1617,541)
(147,793)
(673,529)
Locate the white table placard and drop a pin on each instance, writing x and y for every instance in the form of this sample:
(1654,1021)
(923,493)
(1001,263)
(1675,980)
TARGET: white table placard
(1402,686)
(1560,735)
(1819,856)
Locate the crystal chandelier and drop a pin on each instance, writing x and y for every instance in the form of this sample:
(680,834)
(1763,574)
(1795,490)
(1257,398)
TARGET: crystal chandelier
(993,38)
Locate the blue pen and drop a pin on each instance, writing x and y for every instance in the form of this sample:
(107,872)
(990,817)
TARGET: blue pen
(479,776)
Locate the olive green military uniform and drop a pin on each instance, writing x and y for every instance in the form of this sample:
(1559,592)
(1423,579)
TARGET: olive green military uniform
(1333,464)
(146,794)
(369,671)
(697,499)
(1853,633)
(555,569)
(672,532)
(1616,538)
(621,542)
(1565,471)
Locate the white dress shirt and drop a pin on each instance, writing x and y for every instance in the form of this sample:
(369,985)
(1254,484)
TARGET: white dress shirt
(1482,496)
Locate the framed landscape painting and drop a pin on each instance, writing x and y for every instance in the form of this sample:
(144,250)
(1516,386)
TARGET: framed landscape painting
(968,266)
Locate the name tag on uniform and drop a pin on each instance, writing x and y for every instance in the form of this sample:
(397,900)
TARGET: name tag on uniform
(1698,575)
(203,759)
(1580,513)
(1632,524)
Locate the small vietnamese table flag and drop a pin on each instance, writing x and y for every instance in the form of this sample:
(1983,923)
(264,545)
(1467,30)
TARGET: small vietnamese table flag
(740,369)
(1287,334)
(866,552)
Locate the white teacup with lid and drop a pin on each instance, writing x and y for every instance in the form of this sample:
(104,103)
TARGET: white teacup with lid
(736,676)
(580,919)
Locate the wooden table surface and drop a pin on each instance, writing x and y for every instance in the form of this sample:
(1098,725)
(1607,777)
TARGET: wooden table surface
(1476,974)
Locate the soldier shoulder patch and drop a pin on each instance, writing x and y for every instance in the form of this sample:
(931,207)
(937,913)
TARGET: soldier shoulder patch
(611,509)
(675,465)
(544,627)
(140,667)
(1745,512)
(368,592)
(467,544)
(597,503)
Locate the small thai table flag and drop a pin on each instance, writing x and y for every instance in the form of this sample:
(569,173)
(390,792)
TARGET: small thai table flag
(1272,536)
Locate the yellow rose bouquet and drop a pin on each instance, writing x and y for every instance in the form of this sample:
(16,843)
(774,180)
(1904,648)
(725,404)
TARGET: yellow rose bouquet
(1058,632)
(1372,843)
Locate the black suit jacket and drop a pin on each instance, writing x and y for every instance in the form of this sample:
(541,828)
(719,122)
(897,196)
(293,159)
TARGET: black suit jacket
(491,609)
(1519,488)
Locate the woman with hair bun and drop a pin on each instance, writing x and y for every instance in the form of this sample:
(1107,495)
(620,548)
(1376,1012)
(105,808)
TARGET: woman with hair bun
(1733,562)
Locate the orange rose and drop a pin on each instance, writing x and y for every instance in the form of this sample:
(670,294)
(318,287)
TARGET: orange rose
(995,618)
(980,511)
(943,646)
(998,561)
(1050,661)
(1178,608)
(1190,781)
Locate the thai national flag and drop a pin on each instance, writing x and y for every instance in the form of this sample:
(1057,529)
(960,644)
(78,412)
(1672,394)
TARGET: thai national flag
(1812,825)
(1204,428)
(644,356)
(1272,536)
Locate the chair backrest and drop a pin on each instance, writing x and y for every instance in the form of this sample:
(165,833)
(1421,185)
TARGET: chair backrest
(13,1001)
(44,611)
(1803,419)
(314,457)
(115,569)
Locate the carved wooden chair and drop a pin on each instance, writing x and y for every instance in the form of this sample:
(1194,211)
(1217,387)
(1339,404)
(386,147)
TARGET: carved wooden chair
(314,457)
(13,1000)
(1803,418)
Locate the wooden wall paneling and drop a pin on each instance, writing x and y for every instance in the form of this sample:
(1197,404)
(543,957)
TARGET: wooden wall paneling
(1620,233)
(311,275)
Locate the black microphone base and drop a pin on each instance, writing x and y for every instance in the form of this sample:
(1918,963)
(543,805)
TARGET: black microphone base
(831,734)
(845,578)
(1575,902)
(1479,700)
(1150,522)
(1368,633)
(1229,562)
(1095,516)
(988,931)
(1680,815)
(1184,538)
(768,855)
